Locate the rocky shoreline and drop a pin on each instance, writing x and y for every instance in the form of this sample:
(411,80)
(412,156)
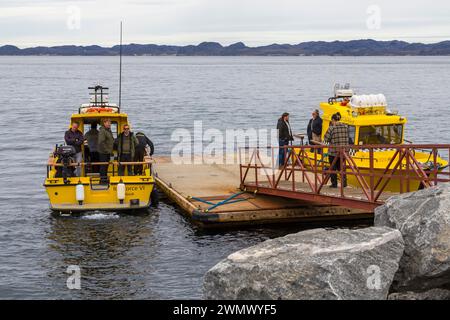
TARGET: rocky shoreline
(404,256)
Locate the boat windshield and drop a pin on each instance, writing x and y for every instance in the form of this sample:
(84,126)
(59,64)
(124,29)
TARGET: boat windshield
(388,134)
(351,134)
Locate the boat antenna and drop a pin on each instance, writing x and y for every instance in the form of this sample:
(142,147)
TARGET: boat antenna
(120,67)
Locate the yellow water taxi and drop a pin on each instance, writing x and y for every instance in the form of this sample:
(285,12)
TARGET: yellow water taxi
(371,123)
(70,193)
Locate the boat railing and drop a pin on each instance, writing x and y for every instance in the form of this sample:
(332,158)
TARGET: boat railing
(307,169)
(114,165)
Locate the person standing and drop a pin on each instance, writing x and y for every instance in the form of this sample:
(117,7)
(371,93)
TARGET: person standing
(144,141)
(315,128)
(92,140)
(105,147)
(126,147)
(337,135)
(74,137)
(285,137)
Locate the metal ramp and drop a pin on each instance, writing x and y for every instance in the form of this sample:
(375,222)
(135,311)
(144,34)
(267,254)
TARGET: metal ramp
(305,176)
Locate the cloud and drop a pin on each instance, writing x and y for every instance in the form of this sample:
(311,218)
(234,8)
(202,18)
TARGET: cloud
(44,22)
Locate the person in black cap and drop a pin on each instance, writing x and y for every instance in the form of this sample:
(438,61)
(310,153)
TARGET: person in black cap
(284,137)
(337,135)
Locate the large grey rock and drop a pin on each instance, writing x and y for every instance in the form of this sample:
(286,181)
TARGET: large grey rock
(434,294)
(423,218)
(314,264)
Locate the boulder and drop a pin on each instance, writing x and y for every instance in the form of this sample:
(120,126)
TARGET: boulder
(434,294)
(423,218)
(314,264)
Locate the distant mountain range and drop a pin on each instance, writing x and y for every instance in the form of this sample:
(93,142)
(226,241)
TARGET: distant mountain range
(313,48)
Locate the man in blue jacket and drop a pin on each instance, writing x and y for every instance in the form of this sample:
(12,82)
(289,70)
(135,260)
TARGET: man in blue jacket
(75,138)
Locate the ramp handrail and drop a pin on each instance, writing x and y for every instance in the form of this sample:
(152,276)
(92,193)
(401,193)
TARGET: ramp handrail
(311,161)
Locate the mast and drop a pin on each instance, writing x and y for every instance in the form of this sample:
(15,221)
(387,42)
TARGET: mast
(120,67)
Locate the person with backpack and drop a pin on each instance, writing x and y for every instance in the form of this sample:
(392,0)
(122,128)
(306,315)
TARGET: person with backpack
(140,151)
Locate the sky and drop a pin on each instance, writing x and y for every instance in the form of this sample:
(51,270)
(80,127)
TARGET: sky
(26,23)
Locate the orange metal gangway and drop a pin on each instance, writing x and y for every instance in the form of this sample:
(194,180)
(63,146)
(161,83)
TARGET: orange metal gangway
(305,174)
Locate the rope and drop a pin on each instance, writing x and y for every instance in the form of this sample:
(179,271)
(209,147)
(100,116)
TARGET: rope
(213,205)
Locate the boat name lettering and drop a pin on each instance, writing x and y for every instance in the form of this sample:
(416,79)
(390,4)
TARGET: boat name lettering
(131,188)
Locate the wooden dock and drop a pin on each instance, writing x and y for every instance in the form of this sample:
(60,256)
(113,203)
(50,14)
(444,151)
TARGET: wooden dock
(198,188)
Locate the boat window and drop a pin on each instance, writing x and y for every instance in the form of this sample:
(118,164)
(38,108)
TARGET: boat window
(87,126)
(389,134)
(114,128)
(88,123)
(351,134)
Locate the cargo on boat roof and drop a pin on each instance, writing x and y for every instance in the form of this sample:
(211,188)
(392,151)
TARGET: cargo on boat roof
(367,116)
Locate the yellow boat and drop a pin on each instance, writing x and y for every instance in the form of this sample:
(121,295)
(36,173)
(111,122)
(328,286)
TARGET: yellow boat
(371,123)
(69,194)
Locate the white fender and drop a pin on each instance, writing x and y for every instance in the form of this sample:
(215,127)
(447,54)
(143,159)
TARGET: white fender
(79,193)
(121,191)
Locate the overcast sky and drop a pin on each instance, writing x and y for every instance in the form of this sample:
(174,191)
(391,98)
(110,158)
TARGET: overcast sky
(256,22)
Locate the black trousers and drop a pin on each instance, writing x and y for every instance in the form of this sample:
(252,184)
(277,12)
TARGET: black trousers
(94,157)
(125,157)
(104,157)
(336,167)
(139,157)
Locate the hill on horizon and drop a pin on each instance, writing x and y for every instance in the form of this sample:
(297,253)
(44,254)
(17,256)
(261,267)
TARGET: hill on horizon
(366,47)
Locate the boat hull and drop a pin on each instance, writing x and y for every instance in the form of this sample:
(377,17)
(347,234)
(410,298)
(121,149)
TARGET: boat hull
(407,182)
(63,197)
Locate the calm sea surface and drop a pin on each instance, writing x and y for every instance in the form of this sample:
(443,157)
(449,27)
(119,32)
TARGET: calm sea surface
(160,255)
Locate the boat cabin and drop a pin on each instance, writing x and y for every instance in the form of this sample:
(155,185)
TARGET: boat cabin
(99,109)
(368,119)
(95,112)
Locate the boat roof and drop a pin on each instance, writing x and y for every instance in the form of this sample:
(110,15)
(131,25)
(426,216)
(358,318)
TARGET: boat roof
(98,106)
(98,115)
(361,116)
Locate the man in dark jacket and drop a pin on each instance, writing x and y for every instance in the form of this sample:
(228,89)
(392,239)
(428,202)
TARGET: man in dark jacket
(315,129)
(284,137)
(105,147)
(144,141)
(126,147)
(74,137)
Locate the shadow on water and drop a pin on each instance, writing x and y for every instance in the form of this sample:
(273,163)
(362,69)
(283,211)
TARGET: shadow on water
(282,229)
(104,246)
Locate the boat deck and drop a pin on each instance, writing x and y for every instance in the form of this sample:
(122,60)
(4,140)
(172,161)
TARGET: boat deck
(196,188)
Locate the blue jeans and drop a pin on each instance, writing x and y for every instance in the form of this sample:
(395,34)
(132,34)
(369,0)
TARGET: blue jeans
(282,152)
